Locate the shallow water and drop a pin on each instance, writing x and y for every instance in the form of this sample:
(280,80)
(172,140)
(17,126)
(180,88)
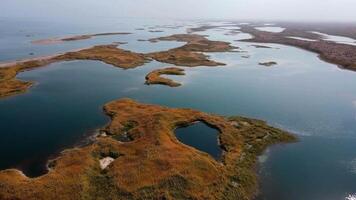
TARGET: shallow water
(301,38)
(303,94)
(202,137)
(273,29)
(337,39)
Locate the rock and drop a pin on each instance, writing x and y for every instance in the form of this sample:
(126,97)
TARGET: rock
(105,162)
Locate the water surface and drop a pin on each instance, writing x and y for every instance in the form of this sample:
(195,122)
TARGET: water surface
(202,137)
(273,29)
(337,38)
(302,94)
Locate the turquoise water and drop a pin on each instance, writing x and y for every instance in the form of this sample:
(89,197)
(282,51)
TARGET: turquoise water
(302,94)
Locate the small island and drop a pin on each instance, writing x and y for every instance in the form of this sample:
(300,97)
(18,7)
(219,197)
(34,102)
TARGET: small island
(154,77)
(75,38)
(153,164)
(268,64)
(261,46)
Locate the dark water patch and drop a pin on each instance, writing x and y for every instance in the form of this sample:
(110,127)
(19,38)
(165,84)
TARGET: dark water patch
(202,137)
(64,109)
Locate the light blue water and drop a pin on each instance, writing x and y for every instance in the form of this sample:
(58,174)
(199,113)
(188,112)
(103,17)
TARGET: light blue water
(303,94)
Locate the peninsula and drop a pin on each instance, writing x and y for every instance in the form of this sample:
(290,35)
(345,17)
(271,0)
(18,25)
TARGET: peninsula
(154,77)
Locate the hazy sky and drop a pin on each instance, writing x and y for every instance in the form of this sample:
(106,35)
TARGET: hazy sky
(317,10)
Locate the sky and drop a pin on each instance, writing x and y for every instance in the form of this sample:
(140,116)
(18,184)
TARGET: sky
(268,10)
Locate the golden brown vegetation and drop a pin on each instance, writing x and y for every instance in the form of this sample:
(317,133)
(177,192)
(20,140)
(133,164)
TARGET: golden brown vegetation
(109,54)
(197,43)
(153,164)
(183,58)
(154,77)
(190,54)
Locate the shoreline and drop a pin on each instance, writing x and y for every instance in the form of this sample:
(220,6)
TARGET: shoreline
(330,52)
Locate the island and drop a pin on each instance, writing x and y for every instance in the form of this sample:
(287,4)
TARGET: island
(153,164)
(154,77)
(268,64)
(261,46)
(201,28)
(75,38)
(190,53)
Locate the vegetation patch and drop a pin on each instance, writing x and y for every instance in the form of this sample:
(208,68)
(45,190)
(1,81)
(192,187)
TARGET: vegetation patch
(190,53)
(154,77)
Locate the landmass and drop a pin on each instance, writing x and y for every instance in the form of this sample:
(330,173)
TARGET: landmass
(182,57)
(197,43)
(153,164)
(190,54)
(341,29)
(261,46)
(201,28)
(74,38)
(154,77)
(268,64)
(109,54)
(341,54)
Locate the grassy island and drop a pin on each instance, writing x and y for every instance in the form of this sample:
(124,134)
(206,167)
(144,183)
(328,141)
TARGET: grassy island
(153,164)
(75,38)
(154,77)
(268,64)
(190,54)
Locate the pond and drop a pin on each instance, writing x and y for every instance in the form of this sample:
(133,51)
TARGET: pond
(202,137)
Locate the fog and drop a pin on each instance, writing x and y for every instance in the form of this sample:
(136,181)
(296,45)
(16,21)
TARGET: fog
(268,10)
